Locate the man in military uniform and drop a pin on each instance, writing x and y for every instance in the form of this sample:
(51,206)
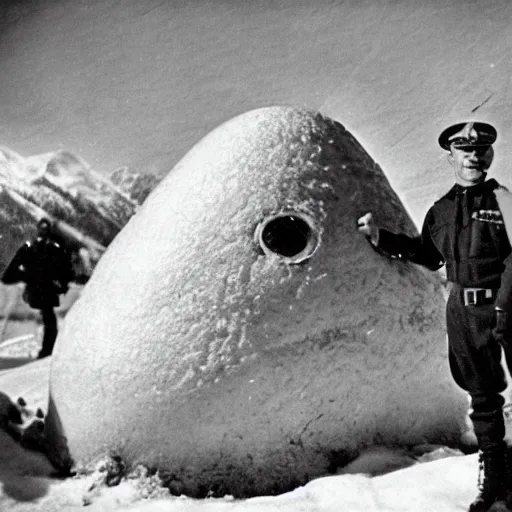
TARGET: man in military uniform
(465,231)
(45,266)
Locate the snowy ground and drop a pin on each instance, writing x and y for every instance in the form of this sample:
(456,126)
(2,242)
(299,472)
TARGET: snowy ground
(403,480)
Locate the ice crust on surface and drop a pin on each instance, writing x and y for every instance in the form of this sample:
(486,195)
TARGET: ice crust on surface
(266,372)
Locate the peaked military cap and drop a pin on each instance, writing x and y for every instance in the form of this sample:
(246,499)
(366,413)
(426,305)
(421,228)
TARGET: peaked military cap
(470,133)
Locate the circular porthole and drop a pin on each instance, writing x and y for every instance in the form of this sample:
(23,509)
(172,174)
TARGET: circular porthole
(291,236)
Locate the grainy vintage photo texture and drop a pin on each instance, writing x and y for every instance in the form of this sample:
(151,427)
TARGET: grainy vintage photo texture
(225,338)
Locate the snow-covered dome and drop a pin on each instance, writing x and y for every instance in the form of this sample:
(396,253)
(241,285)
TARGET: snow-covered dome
(240,334)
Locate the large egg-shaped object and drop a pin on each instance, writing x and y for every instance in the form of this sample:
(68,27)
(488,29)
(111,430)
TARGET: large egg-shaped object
(240,334)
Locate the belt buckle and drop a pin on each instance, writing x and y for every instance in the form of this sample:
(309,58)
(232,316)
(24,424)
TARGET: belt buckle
(470,296)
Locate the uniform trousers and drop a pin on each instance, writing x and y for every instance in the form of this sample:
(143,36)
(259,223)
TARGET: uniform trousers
(475,363)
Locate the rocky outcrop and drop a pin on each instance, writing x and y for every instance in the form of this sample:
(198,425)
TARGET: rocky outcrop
(134,184)
(240,335)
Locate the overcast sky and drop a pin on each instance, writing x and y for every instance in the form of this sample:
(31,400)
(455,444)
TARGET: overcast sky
(139,82)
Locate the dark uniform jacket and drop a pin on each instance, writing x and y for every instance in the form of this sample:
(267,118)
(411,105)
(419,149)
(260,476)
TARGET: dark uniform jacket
(45,266)
(470,240)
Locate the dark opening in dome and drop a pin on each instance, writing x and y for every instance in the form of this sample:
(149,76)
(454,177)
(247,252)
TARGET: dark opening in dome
(286,235)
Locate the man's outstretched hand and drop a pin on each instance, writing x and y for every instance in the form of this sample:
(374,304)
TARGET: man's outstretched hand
(366,225)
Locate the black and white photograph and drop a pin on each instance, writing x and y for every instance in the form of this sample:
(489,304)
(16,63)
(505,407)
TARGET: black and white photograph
(255,256)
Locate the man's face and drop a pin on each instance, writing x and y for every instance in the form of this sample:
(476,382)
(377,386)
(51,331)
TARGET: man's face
(470,163)
(43,230)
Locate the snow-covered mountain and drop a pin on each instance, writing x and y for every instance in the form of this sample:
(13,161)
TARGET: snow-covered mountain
(88,209)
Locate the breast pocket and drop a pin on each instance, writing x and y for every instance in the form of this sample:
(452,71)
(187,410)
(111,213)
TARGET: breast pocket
(481,243)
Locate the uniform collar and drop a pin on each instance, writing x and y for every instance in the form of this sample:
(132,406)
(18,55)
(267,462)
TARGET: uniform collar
(475,190)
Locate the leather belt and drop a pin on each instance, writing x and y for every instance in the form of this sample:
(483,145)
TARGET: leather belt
(479,296)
